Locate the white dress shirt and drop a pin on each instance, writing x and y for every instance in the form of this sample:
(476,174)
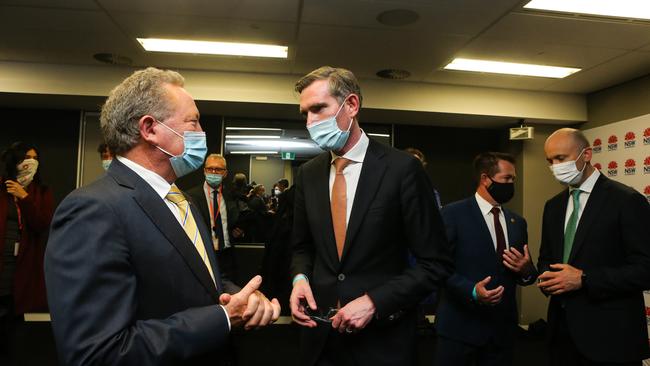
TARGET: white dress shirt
(586,187)
(485,208)
(351,172)
(209,193)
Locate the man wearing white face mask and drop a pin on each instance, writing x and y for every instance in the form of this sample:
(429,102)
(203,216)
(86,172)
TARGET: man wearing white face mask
(131,275)
(595,261)
(360,208)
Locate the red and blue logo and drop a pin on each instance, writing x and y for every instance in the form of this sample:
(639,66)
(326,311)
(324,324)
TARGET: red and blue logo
(612,143)
(630,140)
(612,169)
(646,136)
(630,167)
(598,146)
(646,165)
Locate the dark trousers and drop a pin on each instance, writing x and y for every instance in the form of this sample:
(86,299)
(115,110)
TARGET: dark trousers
(450,352)
(8,324)
(336,352)
(563,351)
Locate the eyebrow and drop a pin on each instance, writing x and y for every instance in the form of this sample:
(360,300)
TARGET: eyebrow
(312,106)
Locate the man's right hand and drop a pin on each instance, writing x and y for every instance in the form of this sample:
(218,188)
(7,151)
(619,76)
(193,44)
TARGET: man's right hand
(300,294)
(250,306)
(485,296)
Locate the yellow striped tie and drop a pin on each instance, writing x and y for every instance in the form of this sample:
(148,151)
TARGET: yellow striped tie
(189,225)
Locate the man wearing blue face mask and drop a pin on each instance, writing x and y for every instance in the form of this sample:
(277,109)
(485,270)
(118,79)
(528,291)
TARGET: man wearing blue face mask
(354,292)
(131,274)
(594,261)
(221,213)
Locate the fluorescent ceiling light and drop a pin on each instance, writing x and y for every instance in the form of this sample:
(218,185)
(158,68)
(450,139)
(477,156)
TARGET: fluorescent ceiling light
(271,144)
(252,129)
(213,48)
(251,137)
(379,134)
(510,68)
(637,9)
(254,152)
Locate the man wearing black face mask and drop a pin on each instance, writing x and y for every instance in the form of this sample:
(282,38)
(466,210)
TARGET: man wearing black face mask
(477,315)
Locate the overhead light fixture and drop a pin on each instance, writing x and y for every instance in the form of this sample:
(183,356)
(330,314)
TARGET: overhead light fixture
(213,48)
(636,9)
(510,68)
(271,144)
(251,137)
(379,134)
(254,152)
(252,129)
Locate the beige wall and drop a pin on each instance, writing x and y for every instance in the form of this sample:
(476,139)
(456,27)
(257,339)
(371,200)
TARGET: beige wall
(618,103)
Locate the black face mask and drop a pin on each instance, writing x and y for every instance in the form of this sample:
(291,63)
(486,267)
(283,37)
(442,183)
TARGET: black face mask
(501,192)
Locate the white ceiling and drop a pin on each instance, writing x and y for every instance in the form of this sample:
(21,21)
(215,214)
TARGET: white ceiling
(336,32)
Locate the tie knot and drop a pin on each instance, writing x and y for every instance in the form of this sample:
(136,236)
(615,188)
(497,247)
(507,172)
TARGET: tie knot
(495,210)
(340,164)
(175,195)
(576,193)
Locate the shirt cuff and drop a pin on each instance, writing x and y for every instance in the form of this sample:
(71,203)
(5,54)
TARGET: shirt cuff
(299,277)
(227,316)
(474,296)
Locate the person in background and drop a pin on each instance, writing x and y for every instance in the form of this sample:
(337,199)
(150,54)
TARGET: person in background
(105,155)
(476,321)
(221,214)
(423,159)
(354,293)
(26,207)
(261,214)
(131,275)
(594,261)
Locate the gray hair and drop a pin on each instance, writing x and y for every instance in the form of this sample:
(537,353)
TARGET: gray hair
(140,94)
(342,82)
(216,156)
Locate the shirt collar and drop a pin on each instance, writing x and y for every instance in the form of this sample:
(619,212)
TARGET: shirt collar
(158,183)
(483,205)
(358,152)
(588,184)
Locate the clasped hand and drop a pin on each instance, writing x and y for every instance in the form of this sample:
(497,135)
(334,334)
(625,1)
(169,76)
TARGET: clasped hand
(250,307)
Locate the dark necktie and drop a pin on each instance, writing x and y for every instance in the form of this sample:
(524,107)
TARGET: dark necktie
(498,229)
(218,225)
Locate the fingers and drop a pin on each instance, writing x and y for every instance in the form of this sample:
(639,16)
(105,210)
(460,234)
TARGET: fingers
(297,309)
(526,253)
(276,309)
(251,286)
(251,307)
(559,266)
(224,299)
(482,283)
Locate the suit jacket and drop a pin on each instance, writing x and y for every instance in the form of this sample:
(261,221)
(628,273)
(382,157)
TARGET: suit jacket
(225,257)
(459,317)
(36,213)
(125,284)
(606,317)
(393,213)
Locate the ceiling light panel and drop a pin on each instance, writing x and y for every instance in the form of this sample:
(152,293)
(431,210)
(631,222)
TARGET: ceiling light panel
(634,9)
(510,68)
(213,48)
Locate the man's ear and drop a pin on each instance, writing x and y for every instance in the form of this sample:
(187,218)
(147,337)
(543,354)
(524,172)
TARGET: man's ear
(587,154)
(353,105)
(146,125)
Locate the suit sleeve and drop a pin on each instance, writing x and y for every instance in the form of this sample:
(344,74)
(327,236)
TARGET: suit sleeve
(426,240)
(545,251)
(301,243)
(457,285)
(92,295)
(634,274)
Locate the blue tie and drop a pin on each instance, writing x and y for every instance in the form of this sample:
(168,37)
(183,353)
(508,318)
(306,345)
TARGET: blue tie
(571,226)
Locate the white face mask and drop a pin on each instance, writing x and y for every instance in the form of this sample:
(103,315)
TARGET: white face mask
(567,172)
(26,171)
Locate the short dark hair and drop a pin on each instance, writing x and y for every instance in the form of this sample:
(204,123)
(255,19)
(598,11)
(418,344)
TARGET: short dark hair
(488,163)
(13,156)
(342,82)
(284,183)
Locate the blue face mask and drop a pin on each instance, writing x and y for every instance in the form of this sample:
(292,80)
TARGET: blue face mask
(327,134)
(194,150)
(213,180)
(106,163)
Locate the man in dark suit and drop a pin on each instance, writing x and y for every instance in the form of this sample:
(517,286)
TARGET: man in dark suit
(595,259)
(219,212)
(477,318)
(360,208)
(129,273)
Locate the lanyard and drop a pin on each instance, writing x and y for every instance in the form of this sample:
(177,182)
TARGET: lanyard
(20,216)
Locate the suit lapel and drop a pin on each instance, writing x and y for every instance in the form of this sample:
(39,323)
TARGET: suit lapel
(594,203)
(206,236)
(372,171)
(156,209)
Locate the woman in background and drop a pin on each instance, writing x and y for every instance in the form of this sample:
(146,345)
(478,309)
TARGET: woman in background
(26,208)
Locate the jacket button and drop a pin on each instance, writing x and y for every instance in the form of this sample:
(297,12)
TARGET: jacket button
(341,277)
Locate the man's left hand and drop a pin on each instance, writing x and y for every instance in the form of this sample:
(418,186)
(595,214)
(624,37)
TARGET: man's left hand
(354,316)
(565,278)
(517,262)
